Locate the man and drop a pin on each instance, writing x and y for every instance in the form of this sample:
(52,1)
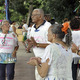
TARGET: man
(38,34)
(13,27)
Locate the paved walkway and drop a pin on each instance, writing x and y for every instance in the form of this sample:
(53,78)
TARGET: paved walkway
(23,71)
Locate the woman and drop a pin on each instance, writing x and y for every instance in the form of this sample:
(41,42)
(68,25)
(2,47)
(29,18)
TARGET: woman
(56,61)
(13,28)
(25,27)
(75,26)
(8,48)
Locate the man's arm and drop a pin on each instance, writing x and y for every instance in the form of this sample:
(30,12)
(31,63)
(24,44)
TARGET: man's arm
(41,45)
(32,42)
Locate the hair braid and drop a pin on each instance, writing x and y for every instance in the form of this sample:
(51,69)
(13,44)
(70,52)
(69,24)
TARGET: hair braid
(68,38)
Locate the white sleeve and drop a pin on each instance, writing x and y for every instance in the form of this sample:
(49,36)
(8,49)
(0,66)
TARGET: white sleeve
(46,33)
(47,54)
(25,26)
(31,32)
(46,37)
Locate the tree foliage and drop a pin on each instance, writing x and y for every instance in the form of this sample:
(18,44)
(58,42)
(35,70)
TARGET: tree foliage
(1,2)
(2,9)
(60,9)
(20,8)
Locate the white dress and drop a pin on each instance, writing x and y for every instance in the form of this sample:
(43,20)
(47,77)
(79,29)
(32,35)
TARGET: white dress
(76,40)
(60,62)
(26,27)
(28,33)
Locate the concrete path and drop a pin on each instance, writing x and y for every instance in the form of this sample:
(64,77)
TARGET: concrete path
(23,71)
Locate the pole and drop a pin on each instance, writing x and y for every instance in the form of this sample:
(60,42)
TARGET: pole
(7,9)
(79,8)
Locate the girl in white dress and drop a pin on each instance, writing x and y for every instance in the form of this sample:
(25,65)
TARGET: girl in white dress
(57,59)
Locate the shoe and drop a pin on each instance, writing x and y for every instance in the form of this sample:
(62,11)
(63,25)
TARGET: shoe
(28,51)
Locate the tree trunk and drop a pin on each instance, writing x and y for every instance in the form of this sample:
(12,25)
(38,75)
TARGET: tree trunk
(30,11)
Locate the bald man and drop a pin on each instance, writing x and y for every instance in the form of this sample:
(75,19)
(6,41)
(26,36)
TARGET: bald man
(39,33)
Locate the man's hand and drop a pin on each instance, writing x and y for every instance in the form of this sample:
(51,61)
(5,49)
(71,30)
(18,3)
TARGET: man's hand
(33,41)
(29,42)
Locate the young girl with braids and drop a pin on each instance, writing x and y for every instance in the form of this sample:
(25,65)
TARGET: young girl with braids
(57,59)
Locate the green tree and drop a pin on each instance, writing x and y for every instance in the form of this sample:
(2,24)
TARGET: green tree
(60,9)
(2,9)
(20,8)
(1,2)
